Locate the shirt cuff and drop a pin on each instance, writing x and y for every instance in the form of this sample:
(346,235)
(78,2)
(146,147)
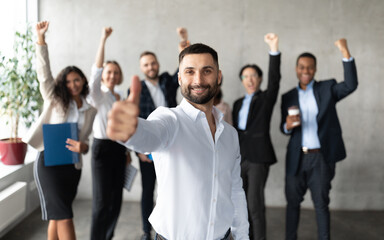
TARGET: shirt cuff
(348,59)
(274,53)
(285,129)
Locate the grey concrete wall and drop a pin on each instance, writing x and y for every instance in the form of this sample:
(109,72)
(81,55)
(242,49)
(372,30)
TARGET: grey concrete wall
(235,29)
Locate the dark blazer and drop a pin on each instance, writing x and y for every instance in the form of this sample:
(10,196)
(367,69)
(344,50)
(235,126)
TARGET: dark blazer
(168,85)
(255,141)
(327,94)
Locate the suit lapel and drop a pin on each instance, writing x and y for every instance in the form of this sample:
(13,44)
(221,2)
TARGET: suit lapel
(236,110)
(82,131)
(316,92)
(163,88)
(295,101)
(146,95)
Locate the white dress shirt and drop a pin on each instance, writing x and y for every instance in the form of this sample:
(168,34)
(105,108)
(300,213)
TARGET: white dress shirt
(200,194)
(77,114)
(156,94)
(101,98)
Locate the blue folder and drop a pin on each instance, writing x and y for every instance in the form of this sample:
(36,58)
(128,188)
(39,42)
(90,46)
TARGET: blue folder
(55,137)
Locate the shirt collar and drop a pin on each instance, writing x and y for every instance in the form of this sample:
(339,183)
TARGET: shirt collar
(193,112)
(150,84)
(104,88)
(249,96)
(108,91)
(83,108)
(309,86)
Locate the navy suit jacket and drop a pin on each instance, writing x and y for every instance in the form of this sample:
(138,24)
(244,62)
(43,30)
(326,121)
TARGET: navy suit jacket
(255,141)
(168,85)
(327,94)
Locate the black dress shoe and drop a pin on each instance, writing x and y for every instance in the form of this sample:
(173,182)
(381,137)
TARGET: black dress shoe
(146,236)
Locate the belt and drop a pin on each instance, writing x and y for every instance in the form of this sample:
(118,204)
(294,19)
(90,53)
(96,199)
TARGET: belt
(306,150)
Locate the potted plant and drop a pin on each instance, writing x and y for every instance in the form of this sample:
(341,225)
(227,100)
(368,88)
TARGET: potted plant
(20,98)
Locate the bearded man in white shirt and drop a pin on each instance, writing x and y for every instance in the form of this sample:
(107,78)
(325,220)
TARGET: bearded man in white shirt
(196,154)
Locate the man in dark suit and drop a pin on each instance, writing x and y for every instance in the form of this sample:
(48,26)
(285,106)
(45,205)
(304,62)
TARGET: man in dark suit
(316,142)
(156,90)
(251,117)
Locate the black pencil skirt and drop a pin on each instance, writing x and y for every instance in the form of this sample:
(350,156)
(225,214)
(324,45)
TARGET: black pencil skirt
(57,187)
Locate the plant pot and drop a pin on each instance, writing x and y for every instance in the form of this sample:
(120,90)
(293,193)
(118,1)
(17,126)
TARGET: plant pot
(12,152)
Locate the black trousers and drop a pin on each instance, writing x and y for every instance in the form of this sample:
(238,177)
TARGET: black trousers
(254,177)
(108,167)
(148,180)
(316,174)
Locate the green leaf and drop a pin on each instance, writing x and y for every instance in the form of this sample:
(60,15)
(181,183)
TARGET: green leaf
(20,98)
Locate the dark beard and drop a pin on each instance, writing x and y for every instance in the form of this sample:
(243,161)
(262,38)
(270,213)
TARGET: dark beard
(152,78)
(200,99)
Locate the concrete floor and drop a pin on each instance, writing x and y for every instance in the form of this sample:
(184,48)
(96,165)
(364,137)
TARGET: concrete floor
(345,225)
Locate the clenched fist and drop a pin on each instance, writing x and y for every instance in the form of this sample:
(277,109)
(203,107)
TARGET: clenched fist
(272,40)
(341,44)
(41,29)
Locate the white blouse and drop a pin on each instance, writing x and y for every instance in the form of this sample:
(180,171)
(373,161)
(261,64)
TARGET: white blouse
(102,99)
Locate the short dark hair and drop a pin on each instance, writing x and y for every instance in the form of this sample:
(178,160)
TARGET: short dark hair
(145,53)
(199,48)
(308,55)
(61,92)
(254,66)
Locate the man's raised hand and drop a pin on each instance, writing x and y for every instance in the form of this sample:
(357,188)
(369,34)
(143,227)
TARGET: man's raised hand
(123,117)
(341,44)
(273,41)
(183,34)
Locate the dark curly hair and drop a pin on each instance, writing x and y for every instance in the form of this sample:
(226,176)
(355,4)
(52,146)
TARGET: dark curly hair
(61,93)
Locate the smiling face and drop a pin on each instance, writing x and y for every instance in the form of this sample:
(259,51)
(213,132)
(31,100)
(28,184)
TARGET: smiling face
(74,84)
(149,66)
(305,71)
(251,80)
(199,78)
(111,75)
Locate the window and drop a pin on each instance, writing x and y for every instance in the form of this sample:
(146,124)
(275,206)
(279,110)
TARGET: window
(14,14)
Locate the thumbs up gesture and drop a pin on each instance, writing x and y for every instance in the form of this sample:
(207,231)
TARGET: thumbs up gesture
(122,119)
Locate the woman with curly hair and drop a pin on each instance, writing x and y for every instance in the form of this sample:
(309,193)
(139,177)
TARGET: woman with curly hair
(64,101)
